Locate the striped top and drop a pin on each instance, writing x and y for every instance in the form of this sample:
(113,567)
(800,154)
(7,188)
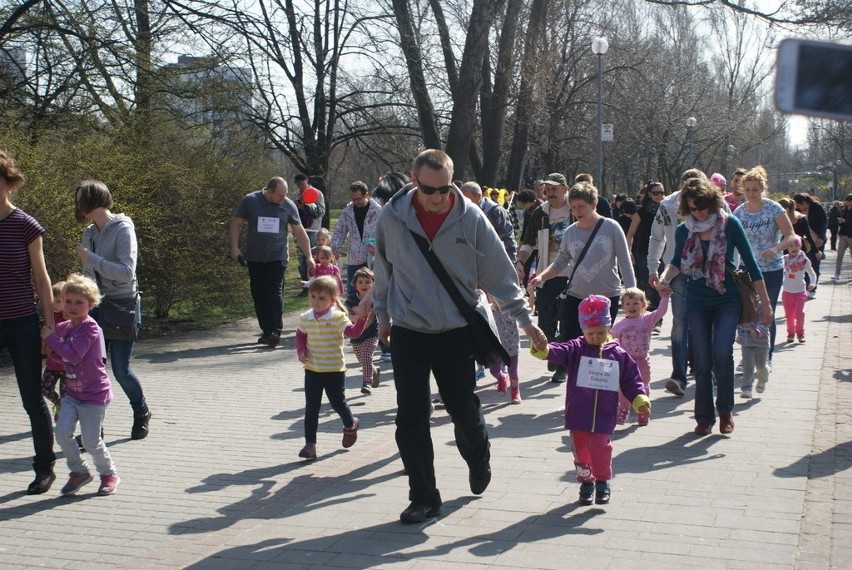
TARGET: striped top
(325,339)
(17,232)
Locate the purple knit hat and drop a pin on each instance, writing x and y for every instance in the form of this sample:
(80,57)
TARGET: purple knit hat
(594,312)
(719,180)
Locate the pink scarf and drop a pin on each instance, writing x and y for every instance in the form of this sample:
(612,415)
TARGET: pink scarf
(693,264)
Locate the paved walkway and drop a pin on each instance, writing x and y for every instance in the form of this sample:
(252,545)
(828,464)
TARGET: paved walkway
(218,483)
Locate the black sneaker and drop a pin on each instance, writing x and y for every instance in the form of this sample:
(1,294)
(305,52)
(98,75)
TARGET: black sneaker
(602,492)
(587,492)
(41,483)
(274,339)
(376,373)
(418,513)
(675,387)
(140,426)
(479,478)
(559,376)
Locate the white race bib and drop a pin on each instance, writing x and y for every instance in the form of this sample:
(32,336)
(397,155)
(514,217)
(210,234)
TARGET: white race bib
(598,374)
(268,225)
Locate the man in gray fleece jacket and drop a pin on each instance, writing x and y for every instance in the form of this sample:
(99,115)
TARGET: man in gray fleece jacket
(428,333)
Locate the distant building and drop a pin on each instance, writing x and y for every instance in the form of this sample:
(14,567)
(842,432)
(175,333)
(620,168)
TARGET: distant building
(215,96)
(13,61)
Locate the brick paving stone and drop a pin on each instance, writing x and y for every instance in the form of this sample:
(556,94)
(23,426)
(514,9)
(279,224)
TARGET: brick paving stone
(218,483)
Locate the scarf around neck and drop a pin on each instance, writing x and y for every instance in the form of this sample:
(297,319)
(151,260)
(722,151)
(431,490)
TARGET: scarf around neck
(693,262)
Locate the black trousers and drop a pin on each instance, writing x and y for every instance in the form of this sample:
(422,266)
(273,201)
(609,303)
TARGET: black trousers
(449,357)
(333,384)
(21,336)
(267,281)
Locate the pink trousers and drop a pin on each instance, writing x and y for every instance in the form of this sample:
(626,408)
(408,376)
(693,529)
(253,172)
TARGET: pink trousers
(592,456)
(794,312)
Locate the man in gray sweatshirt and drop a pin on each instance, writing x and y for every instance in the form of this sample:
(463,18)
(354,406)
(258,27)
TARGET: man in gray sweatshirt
(427,332)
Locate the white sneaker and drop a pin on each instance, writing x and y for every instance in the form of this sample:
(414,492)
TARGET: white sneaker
(746,393)
(760,387)
(740,367)
(836,278)
(811,295)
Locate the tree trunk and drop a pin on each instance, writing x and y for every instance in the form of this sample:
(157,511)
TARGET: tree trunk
(143,59)
(463,119)
(414,62)
(521,135)
(493,110)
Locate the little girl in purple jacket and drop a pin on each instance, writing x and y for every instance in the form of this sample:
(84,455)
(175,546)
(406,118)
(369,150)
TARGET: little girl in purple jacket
(80,343)
(597,369)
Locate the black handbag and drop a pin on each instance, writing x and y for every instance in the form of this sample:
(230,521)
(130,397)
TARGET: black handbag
(487,348)
(117,318)
(560,299)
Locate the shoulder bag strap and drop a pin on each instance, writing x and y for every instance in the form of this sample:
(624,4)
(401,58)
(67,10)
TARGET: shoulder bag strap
(441,273)
(585,249)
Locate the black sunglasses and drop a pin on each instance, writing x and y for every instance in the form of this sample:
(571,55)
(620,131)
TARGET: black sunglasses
(432,189)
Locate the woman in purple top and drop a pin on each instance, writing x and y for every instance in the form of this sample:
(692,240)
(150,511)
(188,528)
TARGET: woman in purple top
(21,265)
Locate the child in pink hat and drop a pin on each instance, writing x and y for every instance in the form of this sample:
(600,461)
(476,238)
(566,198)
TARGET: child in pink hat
(597,369)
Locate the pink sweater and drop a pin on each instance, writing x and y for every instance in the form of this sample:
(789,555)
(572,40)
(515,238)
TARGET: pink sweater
(634,335)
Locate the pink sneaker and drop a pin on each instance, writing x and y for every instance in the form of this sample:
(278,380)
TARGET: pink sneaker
(350,434)
(643,419)
(502,383)
(75,482)
(109,483)
(515,394)
(622,416)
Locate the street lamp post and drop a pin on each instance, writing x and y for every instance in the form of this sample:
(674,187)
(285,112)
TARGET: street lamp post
(599,47)
(690,126)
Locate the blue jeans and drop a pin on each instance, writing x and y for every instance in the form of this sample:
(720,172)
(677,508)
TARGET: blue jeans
(640,268)
(21,336)
(303,261)
(120,352)
(712,334)
(773,281)
(266,280)
(680,338)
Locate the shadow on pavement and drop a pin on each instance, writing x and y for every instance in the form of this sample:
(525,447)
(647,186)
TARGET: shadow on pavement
(395,542)
(684,450)
(823,464)
(264,504)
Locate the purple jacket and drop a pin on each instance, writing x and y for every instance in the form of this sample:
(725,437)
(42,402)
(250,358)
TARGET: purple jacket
(82,350)
(587,409)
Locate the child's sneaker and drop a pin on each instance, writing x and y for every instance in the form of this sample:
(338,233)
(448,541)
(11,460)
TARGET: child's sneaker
(515,394)
(75,482)
(801,338)
(622,416)
(376,373)
(587,491)
(746,392)
(502,383)
(350,434)
(791,337)
(602,492)
(109,483)
(365,389)
(386,357)
(643,419)
(309,451)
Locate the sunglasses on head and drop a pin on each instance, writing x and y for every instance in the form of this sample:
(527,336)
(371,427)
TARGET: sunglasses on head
(432,189)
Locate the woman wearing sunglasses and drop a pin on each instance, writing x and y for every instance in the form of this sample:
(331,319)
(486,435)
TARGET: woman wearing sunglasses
(705,244)
(638,236)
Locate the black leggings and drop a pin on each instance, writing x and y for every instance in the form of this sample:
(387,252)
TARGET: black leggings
(333,385)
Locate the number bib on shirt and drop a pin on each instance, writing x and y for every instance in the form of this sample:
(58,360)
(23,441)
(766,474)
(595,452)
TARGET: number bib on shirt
(267,225)
(598,374)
